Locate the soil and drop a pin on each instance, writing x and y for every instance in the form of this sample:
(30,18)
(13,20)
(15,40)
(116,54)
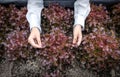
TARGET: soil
(33,68)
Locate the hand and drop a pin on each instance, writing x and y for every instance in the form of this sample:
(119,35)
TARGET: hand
(34,38)
(77,35)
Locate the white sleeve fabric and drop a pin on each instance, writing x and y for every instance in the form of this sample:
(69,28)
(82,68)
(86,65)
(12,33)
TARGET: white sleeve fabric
(81,11)
(34,13)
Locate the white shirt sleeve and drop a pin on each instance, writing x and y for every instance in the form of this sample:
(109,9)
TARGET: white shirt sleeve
(81,11)
(34,13)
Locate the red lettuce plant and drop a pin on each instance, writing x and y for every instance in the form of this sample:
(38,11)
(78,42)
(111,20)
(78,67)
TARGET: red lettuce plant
(58,16)
(13,26)
(56,48)
(102,50)
(17,18)
(11,19)
(16,45)
(97,18)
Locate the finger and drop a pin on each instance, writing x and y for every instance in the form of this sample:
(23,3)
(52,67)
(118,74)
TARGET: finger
(79,40)
(39,41)
(74,38)
(32,42)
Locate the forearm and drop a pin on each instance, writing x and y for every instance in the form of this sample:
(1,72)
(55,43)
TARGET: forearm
(34,13)
(81,11)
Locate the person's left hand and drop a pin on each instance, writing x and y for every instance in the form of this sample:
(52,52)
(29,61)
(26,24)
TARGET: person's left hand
(77,35)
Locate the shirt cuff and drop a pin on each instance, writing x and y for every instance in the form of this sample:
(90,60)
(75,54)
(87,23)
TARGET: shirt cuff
(34,22)
(79,21)
(39,28)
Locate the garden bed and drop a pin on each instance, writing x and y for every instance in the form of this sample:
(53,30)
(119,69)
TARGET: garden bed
(97,56)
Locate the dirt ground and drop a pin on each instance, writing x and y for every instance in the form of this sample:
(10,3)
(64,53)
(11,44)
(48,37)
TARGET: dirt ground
(32,68)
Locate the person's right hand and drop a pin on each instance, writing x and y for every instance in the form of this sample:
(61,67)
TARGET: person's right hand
(34,38)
